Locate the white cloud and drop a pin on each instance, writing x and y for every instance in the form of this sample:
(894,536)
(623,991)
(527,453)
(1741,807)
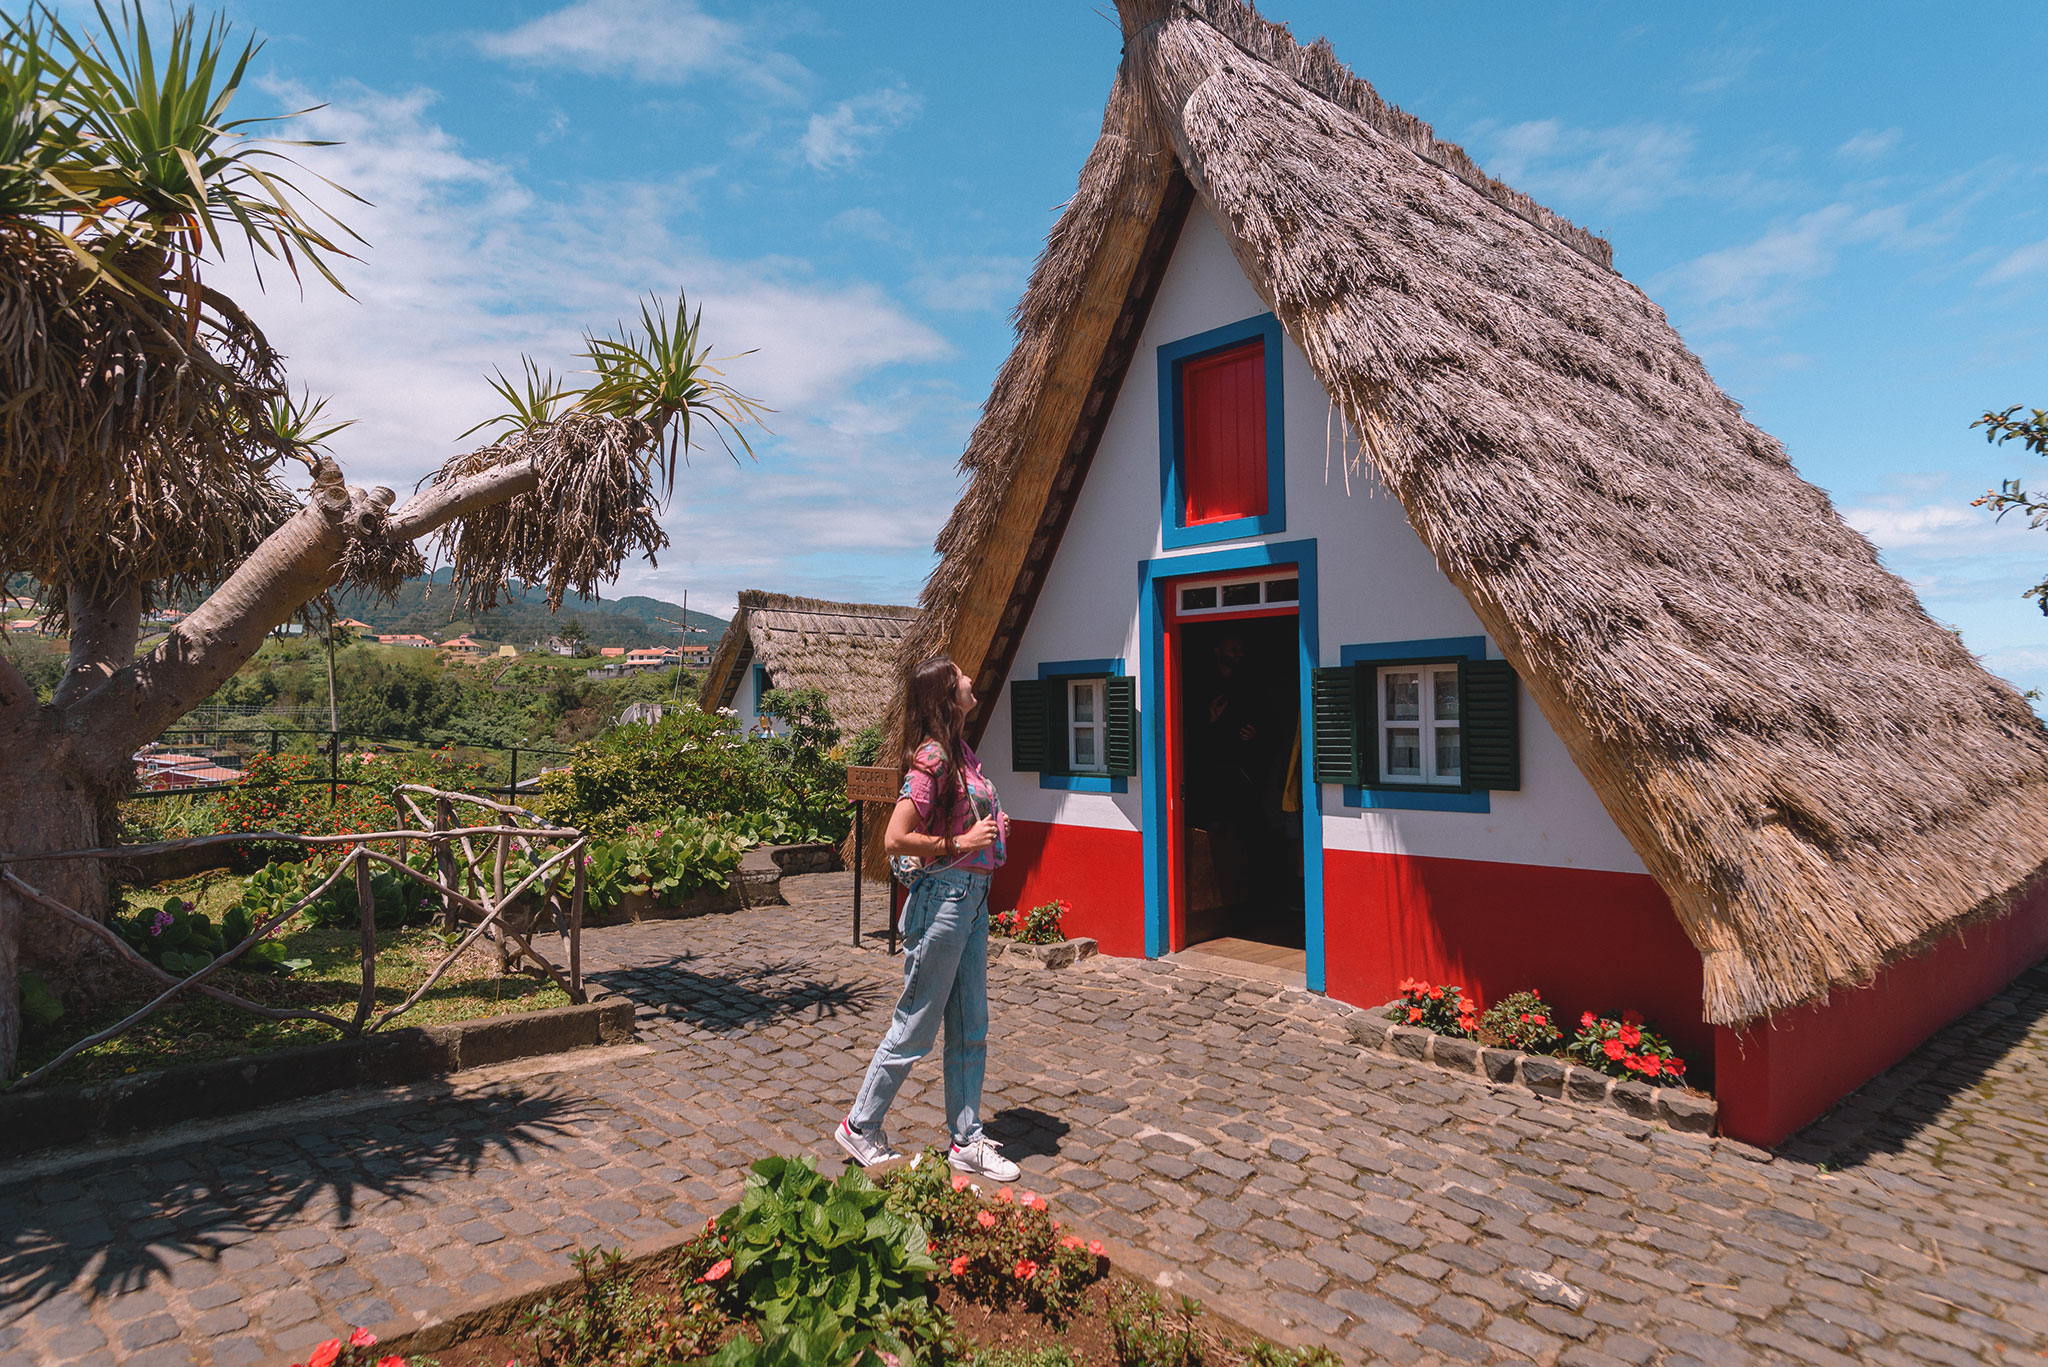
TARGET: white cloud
(978,285)
(837,139)
(1755,284)
(469,267)
(1610,170)
(2019,264)
(668,42)
(1869,146)
(872,224)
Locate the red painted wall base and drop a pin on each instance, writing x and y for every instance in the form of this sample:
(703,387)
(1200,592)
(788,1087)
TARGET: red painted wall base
(1587,939)
(1778,1075)
(1100,872)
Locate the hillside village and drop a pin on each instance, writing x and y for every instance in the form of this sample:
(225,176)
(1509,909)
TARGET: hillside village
(1422,817)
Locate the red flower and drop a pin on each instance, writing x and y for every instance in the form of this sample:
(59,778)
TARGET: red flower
(1095,1247)
(1614,1048)
(1534,993)
(361,1338)
(961,1182)
(1436,994)
(1026,1269)
(1675,1067)
(1652,1065)
(959,1265)
(1631,1036)
(1586,1021)
(325,1354)
(1631,1018)
(987,1219)
(393,1361)
(1414,1014)
(1006,1195)
(717,1271)
(1071,1241)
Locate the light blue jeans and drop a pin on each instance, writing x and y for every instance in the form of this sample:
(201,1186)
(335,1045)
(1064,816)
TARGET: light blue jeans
(945,977)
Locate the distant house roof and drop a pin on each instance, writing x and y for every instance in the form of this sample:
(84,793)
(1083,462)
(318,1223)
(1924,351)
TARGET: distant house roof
(611,650)
(352,624)
(460,643)
(847,650)
(405,640)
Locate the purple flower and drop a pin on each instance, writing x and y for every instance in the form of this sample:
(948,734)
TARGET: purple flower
(185,905)
(161,922)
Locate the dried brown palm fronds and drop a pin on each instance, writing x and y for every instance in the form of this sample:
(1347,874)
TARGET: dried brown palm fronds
(1822,778)
(126,453)
(594,506)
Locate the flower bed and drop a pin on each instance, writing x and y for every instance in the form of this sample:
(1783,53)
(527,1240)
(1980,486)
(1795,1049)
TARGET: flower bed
(1615,1063)
(1037,935)
(916,1268)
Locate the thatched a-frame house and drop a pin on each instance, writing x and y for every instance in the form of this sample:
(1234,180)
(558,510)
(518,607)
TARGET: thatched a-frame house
(775,640)
(1311,422)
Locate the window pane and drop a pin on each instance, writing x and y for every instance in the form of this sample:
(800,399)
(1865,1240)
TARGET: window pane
(1446,694)
(1449,752)
(1084,748)
(1404,695)
(1404,752)
(1084,702)
(1283,590)
(1240,595)
(1191,599)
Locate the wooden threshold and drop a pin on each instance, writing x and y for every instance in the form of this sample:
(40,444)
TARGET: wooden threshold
(1249,959)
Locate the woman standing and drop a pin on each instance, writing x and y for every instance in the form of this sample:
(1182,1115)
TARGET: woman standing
(948,817)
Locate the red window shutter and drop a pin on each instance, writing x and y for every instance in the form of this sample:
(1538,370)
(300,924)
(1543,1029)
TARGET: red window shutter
(1223,433)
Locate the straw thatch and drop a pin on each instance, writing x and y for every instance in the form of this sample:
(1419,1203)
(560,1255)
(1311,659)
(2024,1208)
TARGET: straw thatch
(845,650)
(1822,778)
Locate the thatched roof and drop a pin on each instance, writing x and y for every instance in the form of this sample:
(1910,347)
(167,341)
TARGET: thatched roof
(1822,778)
(846,650)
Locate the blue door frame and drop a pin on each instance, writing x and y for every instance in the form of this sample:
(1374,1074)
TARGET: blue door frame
(1152,577)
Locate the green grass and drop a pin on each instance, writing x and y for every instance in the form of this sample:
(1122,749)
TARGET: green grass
(195,1028)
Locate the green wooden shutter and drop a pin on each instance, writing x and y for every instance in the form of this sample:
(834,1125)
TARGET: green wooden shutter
(1492,725)
(1057,760)
(1334,696)
(1120,732)
(1027,725)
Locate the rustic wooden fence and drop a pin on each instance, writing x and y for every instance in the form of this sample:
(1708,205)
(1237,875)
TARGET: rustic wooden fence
(472,891)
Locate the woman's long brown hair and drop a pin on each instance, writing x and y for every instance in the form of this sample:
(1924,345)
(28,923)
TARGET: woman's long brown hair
(929,713)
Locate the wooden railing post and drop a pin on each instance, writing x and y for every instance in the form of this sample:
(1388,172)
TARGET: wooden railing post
(366,902)
(444,860)
(498,937)
(576,896)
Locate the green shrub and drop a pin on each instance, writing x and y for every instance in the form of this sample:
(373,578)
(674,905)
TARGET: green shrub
(1521,1020)
(799,1243)
(180,940)
(608,1321)
(1439,1007)
(667,862)
(40,1008)
(1625,1048)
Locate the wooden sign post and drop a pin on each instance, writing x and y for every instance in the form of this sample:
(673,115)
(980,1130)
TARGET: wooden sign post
(867,783)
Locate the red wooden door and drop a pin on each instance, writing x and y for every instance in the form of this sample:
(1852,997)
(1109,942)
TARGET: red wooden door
(1223,434)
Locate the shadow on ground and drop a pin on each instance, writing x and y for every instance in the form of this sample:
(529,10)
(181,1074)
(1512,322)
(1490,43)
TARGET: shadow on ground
(1886,1114)
(56,1230)
(735,998)
(1025,1132)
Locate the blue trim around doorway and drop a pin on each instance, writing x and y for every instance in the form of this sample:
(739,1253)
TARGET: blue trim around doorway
(1152,636)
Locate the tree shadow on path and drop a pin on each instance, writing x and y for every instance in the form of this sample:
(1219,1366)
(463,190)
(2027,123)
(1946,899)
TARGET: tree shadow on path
(127,1223)
(731,998)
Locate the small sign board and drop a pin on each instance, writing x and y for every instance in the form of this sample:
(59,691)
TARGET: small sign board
(872,783)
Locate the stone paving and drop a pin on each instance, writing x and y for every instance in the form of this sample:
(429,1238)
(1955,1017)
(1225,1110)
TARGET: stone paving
(1229,1130)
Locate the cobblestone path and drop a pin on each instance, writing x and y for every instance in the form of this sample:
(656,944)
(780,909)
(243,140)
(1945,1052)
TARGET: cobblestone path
(1227,1130)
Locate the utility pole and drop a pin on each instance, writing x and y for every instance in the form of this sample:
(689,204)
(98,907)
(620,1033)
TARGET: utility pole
(685,630)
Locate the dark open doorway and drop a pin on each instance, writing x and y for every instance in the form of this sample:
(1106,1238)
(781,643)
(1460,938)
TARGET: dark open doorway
(1239,770)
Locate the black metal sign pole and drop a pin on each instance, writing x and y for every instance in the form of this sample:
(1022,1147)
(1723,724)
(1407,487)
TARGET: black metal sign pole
(858,861)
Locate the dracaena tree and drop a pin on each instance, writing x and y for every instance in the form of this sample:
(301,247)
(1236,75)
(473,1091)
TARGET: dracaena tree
(150,448)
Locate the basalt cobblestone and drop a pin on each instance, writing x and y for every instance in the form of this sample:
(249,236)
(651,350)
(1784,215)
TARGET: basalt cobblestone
(1231,1129)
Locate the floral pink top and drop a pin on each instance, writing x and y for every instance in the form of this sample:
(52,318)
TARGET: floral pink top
(973,799)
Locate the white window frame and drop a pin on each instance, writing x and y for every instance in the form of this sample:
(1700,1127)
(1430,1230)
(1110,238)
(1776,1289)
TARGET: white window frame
(1098,691)
(1268,580)
(1426,724)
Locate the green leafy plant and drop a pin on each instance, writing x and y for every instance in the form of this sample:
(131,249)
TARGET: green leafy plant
(1144,1333)
(798,1242)
(2012,495)
(1042,925)
(179,939)
(1521,1020)
(1625,1048)
(815,1335)
(670,862)
(40,1008)
(1438,1007)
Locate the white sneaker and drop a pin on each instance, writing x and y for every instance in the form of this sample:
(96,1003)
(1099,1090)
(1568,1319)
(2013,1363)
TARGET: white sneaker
(865,1149)
(981,1159)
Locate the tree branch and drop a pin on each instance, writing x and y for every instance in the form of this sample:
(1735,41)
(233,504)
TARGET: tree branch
(439,504)
(103,632)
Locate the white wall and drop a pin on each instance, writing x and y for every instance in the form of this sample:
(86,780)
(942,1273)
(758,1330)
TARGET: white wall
(1377,582)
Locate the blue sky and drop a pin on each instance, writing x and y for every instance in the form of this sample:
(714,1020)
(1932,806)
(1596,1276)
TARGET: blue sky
(1843,209)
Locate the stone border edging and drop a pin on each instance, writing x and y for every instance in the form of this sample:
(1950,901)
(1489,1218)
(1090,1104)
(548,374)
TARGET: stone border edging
(1542,1074)
(74,1113)
(1061,954)
(757,883)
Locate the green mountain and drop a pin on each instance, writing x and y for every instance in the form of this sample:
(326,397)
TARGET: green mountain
(428,606)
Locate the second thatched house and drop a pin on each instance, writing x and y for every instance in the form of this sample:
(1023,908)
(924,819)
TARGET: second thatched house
(775,640)
(1356,568)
